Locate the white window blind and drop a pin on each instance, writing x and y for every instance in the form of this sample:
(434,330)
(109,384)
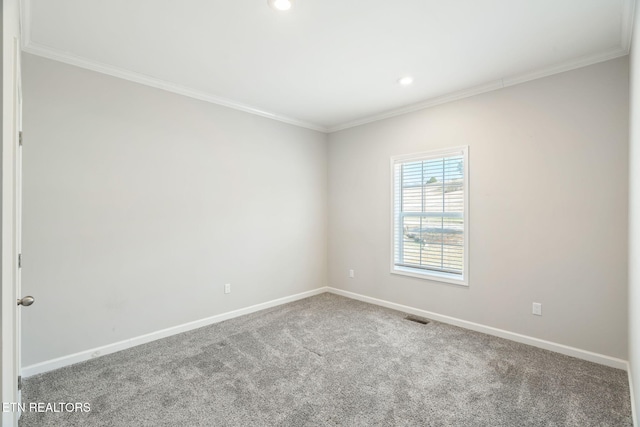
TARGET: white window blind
(430,215)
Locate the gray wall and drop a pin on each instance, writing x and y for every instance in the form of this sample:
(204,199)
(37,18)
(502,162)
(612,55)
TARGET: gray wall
(634,214)
(139,205)
(548,207)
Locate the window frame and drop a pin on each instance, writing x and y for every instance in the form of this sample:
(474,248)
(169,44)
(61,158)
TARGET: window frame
(425,274)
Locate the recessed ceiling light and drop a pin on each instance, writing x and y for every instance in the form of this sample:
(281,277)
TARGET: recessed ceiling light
(405,81)
(280,4)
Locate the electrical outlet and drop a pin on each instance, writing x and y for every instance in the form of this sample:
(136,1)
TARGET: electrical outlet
(537,309)
(227,288)
(352,273)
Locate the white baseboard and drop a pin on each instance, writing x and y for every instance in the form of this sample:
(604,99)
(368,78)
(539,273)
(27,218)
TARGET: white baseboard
(71,359)
(631,395)
(547,345)
(60,362)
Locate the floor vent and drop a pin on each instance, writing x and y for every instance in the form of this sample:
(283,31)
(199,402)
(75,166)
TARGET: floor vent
(417,319)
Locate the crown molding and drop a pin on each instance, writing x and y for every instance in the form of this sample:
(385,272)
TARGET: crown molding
(25,22)
(488,87)
(573,64)
(78,61)
(627,20)
(68,58)
(628,16)
(48,52)
(431,102)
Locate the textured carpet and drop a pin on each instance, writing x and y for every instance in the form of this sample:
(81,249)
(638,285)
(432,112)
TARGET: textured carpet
(328,361)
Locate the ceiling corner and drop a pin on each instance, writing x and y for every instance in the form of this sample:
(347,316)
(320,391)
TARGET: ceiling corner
(33,48)
(25,22)
(628,16)
(81,62)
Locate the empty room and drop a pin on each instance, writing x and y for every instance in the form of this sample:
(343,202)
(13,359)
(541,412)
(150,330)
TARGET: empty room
(320,213)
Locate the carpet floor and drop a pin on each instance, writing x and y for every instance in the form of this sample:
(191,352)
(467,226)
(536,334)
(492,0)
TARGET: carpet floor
(332,361)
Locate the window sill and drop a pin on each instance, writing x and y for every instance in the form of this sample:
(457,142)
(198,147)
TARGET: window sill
(430,275)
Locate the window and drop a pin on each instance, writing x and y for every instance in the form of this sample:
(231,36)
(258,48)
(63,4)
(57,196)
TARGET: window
(430,215)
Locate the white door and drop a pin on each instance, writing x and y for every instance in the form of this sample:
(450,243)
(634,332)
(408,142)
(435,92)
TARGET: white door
(28,300)
(11,200)
(18,218)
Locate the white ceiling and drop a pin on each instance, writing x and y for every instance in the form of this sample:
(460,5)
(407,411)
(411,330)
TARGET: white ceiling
(328,64)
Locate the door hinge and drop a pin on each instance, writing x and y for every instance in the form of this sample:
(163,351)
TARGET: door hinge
(19,260)
(20,138)
(19,382)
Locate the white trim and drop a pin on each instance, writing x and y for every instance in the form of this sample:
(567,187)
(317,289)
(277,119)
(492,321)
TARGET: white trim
(426,274)
(431,154)
(78,61)
(68,58)
(565,66)
(9,357)
(71,359)
(51,53)
(123,345)
(631,396)
(25,22)
(524,339)
(488,87)
(628,16)
(434,276)
(428,103)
